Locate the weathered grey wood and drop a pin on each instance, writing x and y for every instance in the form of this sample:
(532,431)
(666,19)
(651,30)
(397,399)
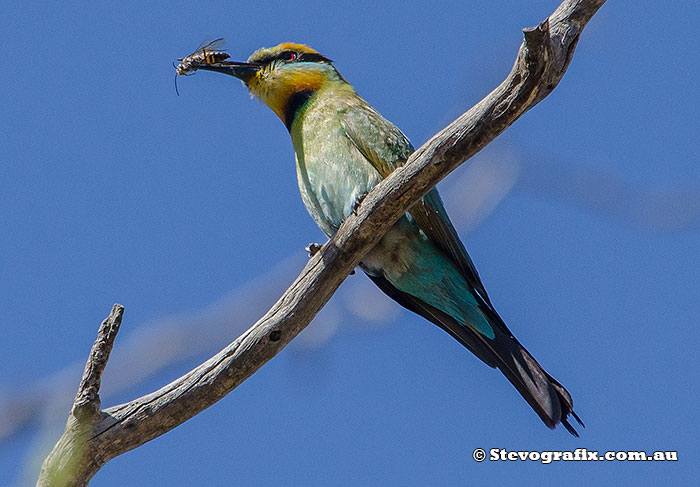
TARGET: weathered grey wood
(72,453)
(541,62)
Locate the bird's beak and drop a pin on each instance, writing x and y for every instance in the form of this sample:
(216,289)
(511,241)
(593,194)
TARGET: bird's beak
(242,71)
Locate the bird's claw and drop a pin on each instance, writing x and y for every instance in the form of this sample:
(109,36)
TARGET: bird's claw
(358,201)
(313,248)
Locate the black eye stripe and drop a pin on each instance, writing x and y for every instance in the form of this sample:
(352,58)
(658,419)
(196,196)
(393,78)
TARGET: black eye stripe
(313,57)
(295,56)
(287,56)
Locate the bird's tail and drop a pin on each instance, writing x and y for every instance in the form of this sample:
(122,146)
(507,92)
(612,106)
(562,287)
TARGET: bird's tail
(550,400)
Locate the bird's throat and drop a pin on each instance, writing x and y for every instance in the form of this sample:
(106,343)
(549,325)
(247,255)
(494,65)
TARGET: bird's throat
(285,92)
(295,103)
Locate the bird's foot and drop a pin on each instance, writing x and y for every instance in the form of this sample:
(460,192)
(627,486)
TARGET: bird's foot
(358,201)
(313,248)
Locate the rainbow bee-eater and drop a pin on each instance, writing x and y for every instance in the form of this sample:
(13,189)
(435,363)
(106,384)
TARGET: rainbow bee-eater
(343,148)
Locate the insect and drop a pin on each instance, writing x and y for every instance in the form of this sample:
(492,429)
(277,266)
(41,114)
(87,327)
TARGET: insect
(206,53)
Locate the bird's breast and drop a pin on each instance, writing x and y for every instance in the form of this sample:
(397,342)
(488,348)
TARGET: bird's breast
(333,175)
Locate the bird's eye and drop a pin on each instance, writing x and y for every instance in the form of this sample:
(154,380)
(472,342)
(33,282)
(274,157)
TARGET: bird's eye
(289,56)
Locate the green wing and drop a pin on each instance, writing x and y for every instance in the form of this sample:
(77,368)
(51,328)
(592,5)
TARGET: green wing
(387,148)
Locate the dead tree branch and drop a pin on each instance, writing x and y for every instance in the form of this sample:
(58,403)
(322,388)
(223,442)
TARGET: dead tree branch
(70,454)
(92,438)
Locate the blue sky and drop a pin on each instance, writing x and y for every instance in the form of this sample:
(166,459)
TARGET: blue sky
(583,220)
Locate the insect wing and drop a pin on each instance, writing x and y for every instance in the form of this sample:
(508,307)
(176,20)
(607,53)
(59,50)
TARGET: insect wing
(215,45)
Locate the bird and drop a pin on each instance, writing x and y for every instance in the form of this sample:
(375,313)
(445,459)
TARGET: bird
(343,147)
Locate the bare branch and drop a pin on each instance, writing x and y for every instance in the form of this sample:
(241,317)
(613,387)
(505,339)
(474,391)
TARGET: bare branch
(542,61)
(68,458)
(87,400)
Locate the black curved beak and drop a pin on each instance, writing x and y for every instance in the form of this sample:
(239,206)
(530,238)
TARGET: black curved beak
(242,71)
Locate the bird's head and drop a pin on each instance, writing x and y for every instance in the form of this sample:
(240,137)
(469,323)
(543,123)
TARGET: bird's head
(283,77)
